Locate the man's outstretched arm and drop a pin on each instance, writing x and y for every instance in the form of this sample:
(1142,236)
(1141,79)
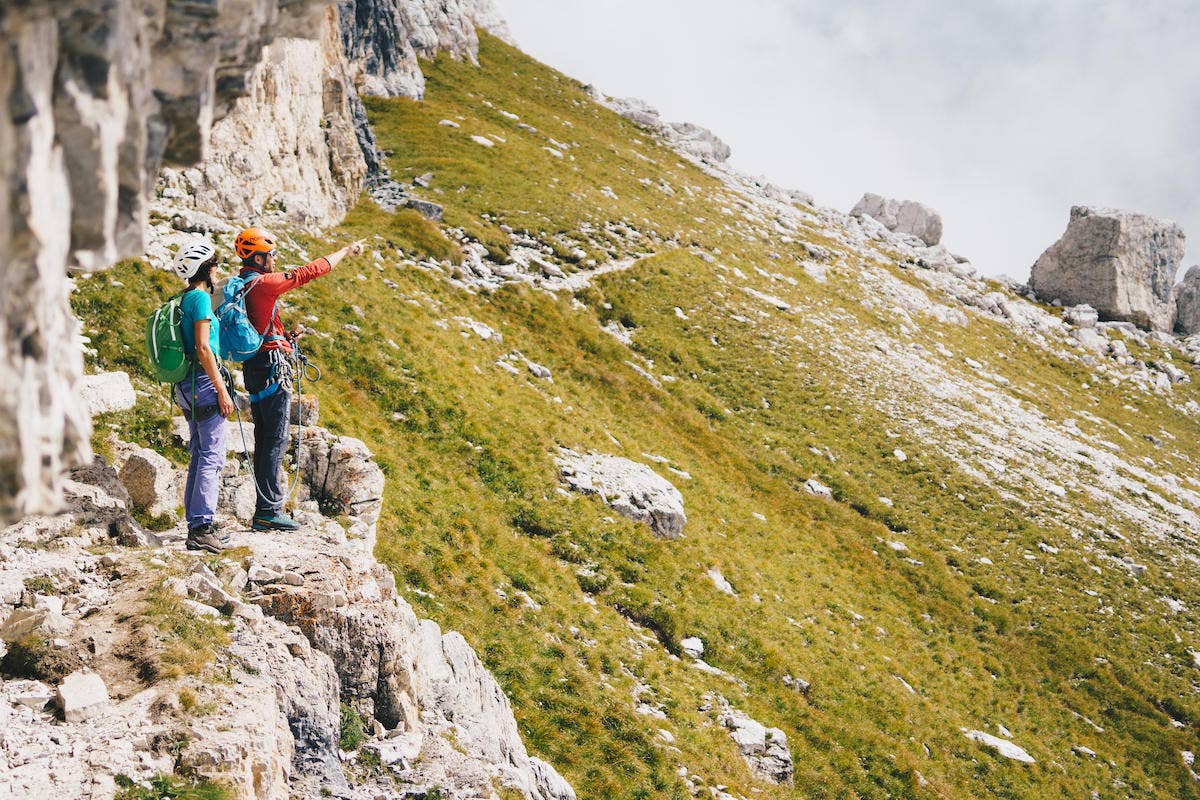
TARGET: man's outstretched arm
(349,250)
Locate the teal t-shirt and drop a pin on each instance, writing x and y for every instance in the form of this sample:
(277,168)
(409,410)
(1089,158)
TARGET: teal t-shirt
(197,305)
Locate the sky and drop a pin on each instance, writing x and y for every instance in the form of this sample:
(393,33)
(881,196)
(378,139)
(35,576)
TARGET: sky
(1000,114)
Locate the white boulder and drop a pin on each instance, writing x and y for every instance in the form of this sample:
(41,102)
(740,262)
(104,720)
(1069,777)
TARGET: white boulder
(633,490)
(1121,263)
(692,646)
(764,749)
(902,216)
(81,696)
(1081,316)
(151,482)
(1187,302)
(107,392)
(1001,746)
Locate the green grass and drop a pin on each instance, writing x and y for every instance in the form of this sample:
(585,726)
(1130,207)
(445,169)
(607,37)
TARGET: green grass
(471,503)
(176,641)
(35,658)
(353,730)
(168,787)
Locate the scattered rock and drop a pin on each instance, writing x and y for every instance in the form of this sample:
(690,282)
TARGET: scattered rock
(814,486)
(1121,263)
(764,749)
(719,581)
(1001,746)
(692,646)
(796,684)
(426,209)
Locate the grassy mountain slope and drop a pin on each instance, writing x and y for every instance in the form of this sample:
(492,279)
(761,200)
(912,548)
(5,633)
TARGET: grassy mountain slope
(923,598)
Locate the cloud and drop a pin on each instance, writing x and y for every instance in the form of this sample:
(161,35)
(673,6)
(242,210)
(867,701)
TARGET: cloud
(999,113)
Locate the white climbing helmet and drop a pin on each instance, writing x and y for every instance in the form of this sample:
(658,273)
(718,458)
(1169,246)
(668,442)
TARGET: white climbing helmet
(191,257)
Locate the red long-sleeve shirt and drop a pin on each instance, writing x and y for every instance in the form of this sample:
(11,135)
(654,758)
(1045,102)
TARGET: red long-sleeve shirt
(261,299)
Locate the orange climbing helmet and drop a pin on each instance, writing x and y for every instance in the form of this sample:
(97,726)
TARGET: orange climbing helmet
(251,241)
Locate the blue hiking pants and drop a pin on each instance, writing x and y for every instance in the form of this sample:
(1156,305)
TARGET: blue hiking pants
(206,444)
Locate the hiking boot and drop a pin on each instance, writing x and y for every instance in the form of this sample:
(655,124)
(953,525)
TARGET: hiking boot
(204,538)
(222,536)
(274,522)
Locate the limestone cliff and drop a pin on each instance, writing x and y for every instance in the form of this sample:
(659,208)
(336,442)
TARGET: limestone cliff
(384,39)
(290,142)
(103,95)
(98,96)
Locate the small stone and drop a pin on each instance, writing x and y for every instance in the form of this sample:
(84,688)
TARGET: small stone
(81,695)
(900,455)
(796,684)
(424,181)
(200,609)
(176,586)
(292,579)
(261,574)
(480,140)
(815,487)
(24,622)
(426,209)
(1001,746)
(449,123)
(692,646)
(33,694)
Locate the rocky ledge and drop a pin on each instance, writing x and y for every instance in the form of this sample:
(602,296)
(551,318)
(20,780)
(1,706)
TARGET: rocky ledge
(286,667)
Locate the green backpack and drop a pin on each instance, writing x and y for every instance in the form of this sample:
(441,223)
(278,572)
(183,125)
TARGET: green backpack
(164,342)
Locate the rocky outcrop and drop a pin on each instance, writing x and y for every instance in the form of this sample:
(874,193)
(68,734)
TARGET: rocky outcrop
(383,39)
(685,137)
(764,749)
(1187,302)
(1121,263)
(633,490)
(98,96)
(902,216)
(316,627)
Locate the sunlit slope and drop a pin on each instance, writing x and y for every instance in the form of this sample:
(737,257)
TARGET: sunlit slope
(922,599)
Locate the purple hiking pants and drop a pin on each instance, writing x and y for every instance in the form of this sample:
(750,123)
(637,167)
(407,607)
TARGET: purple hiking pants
(206,442)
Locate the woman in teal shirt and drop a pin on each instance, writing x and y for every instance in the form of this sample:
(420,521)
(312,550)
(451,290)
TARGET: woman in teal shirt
(202,395)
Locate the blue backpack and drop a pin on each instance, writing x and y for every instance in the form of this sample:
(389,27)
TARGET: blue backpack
(239,339)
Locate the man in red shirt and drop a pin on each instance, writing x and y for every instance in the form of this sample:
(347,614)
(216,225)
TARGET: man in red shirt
(268,374)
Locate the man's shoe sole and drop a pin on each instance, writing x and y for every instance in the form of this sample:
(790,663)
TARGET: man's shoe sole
(194,545)
(266,526)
